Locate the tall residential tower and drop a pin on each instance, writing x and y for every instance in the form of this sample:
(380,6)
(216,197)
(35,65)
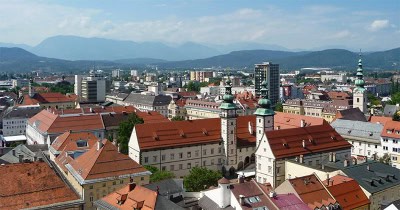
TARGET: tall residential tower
(270,73)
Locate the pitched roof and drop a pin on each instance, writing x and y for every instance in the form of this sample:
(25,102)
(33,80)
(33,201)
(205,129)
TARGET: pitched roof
(166,187)
(138,196)
(18,112)
(312,191)
(289,202)
(319,138)
(48,98)
(351,114)
(358,130)
(379,119)
(148,117)
(27,151)
(379,176)
(389,109)
(103,163)
(391,129)
(248,103)
(338,95)
(68,141)
(48,122)
(95,109)
(31,182)
(159,100)
(347,192)
(179,133)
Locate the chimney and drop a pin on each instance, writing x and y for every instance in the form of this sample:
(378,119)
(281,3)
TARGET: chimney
(132,186)
(99,144)
(330,157)
(368,167)
(304,144)
(301,159)
(241,179)
(327,179)
(241,200)
(119,148)
(272,194)
(158,190)
(21,158)
(302,123)
(278,127)
(354,161)
(323,167)
(13,153)
(334,157)
(345,163)
(250,128)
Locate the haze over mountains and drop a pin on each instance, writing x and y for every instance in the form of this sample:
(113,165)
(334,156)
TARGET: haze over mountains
(70,53)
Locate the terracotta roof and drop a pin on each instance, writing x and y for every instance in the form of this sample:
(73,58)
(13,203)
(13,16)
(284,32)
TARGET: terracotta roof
(28,185)
(338,95)
(391,129)
(312,191)
(48,98)
(248,103)
(347,192)
(252,189)
(180,102)
(351,114)
(97,109)
(289,202)
(187,94)
(105,162)
(68,141)
(180,133)
(130,198)
(379,119)
(223,180)
(148,117)
(152,117)
(48,122)
(319,138)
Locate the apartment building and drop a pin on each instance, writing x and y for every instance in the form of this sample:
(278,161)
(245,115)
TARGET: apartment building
(157,103)
(200,76)
(91,88)
(268,72)
(391,141)
(15,118)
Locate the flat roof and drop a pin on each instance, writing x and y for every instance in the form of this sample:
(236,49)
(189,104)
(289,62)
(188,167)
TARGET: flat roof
(15,138)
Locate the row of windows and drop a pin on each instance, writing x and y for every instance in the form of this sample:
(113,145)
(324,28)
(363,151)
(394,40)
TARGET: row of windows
(15,122)
(181,155)
(189,165)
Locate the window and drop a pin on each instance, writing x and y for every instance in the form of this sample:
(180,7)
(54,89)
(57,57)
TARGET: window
(359,143)
(180,166)
(269,169)
(376,146)
(395,141)
(91,198)
(212,161)
(104,184)
(146,159)
(204,152)
(180,155)
(259,166)
(81,143)
(394,149)
(278,169)
(189,154)
(385,148)
(196,153)
(232,152)
(212,151)
(189,165)
(204,162)
(142,178)
(121,181)
(162,157)
(91,187)
(114,182)
(154,158)
(163,168)
(219,160)
(172,156)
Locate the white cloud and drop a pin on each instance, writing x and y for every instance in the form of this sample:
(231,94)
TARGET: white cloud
(377,25)
(341,35)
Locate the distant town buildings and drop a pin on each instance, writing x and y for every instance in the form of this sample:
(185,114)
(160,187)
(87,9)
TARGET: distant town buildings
(201,76)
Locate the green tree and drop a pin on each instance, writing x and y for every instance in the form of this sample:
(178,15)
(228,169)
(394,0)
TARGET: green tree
(395,98)
(279,107)
(157,175)
(177,118)
(193,86)
(125,131)
(385,159)
(201,178)
(396,116)
(373,99)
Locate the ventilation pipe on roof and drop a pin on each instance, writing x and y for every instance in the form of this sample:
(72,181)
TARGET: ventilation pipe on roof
(99,144)
(304,143)
(354,161)
(302,123)
(132,185)
(330,157)
(334,157)
(368,167)
(301,159)
(272,194)
(345,163)
(327,179)
(21,158)
(241,200)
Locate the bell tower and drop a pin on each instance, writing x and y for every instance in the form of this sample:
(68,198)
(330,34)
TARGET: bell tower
(359,92)
(228,126)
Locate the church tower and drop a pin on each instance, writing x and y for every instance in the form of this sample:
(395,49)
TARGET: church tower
(228,127)
(264,114)
(359,92)
(31,90)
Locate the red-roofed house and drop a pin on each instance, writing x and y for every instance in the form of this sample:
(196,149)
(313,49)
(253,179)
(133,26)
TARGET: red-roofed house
(100,171)
(347,192)
(390,140)
(35,186)
(311,191)
(51,100)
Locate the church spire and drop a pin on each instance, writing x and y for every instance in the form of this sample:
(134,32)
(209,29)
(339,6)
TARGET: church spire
(360,81)
(264,103)
(228,97)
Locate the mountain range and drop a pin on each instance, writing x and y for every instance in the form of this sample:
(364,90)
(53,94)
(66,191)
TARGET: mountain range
(18,59)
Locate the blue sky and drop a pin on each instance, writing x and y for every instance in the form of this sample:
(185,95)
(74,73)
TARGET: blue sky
(367,24)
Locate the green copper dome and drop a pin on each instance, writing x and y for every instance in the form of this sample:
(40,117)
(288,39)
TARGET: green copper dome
(228,97)
(359,81)
(264,103)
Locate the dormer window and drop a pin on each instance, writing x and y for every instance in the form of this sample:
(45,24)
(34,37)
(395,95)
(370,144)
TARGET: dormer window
(81,143)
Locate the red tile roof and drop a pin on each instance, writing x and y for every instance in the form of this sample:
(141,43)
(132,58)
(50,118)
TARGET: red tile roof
(379,119)
(53,123)
(105,162)
(68,141)
(248,103)
(347,192)
(338,95)
(391,129)
(251,189)
(88,110)
(28,185)
(180,102)
(130,198)
(152,117)
(180,133)
(48,98)
(312,191)
(319,138)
